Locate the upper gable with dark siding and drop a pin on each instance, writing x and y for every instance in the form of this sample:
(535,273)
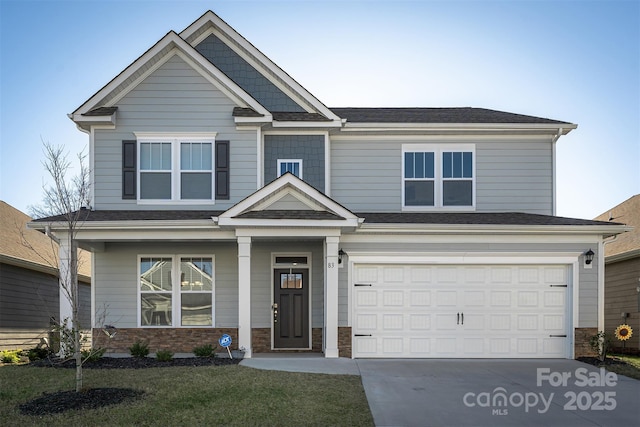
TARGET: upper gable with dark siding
(245,76)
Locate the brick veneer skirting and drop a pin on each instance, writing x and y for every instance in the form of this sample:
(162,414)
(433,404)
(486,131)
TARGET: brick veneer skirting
(177,340)
(581,344)
(344,341)
(184,340)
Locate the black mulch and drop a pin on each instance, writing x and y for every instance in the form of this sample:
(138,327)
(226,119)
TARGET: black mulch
(61,401)
(135,362)
(54,403)
(597,362)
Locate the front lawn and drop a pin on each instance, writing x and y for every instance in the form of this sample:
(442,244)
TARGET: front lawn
(220,395)
(631,367)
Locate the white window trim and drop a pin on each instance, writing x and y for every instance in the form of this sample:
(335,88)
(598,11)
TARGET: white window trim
(176,307)
(281,161)
(438,149)
(175,139)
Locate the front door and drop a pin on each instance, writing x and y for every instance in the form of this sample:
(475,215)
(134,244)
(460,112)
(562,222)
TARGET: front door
(291,308)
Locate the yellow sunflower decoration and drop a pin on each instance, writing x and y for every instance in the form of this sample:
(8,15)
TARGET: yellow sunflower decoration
(624,332)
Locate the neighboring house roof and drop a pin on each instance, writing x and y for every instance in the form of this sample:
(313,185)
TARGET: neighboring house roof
(29,248)
(627,244)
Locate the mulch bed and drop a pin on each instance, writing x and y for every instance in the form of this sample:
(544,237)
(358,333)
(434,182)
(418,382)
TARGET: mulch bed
(61,401)
(610,360)
(135,362)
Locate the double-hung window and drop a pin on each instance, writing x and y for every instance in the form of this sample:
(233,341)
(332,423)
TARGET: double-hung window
(438,177)
(176,290)
(290,165)
(175,169)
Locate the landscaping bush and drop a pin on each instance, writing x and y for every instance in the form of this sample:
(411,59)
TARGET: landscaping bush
(164,355)
(205,351)
(93,354)
(139,349)
(10,356)
(38,353)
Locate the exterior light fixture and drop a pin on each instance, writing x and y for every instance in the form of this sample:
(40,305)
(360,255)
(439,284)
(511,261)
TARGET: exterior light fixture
(588,257)
(341,254)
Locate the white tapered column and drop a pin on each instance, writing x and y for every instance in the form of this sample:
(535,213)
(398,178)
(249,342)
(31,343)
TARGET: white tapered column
(331,297)
(244,294)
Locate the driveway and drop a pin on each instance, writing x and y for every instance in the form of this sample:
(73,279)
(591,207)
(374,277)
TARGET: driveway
(438,392)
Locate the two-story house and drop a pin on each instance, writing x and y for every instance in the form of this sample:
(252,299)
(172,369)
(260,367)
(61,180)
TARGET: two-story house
(228,199)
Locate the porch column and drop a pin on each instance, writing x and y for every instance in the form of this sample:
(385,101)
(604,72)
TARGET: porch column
(65,281)
(244,294)
(331,297)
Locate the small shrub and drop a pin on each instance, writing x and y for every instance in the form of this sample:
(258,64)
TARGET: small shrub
(93,354)
(164,355)
(205,351)
(601,344)
(139,349)
(38,353)
(10,356)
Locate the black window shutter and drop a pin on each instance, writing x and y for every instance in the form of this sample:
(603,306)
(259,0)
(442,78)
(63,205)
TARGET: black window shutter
(129,169)
(222,170)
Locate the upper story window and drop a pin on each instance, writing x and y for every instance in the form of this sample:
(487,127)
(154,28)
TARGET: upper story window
(438,177)
(176,169)
(290,165)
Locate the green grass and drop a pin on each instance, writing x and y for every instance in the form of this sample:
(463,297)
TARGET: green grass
(223,395)
(631,369)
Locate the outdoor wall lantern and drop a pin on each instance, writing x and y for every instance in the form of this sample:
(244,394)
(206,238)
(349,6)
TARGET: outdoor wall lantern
(588,257)
(341,254)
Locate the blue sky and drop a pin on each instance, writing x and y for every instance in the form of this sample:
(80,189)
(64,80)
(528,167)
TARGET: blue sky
(576,61)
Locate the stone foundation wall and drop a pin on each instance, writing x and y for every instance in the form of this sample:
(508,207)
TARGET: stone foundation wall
(581,344)
(261,341)
(177,340)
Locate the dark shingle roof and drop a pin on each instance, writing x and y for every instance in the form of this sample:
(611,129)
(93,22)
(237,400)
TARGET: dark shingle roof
(246,112)
(499,218)
(290,214)
(436,115)
(434,218)
(295,117)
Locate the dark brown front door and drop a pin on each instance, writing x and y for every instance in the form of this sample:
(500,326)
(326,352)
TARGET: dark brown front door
(291,308)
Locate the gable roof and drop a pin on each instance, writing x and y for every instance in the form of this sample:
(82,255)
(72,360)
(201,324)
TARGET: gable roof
(627,244)
(29,248)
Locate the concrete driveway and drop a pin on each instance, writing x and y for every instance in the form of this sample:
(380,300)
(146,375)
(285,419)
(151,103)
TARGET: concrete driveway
(437,392)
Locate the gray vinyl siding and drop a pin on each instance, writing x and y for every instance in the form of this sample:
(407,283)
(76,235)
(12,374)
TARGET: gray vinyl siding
(174,98)
(116,272)
(513,176)
(588,278)
(28,300)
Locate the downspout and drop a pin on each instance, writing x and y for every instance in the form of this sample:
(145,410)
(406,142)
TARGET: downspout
(554,139)
(49,234)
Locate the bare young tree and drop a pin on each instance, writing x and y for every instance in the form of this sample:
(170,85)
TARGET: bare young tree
(64,203)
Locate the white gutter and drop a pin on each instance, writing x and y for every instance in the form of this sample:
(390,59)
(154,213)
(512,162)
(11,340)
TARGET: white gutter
(553,171)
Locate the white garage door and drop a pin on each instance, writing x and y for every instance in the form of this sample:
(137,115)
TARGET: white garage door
(460,311)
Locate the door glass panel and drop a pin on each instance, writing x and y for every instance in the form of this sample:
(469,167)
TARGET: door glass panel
(291,281)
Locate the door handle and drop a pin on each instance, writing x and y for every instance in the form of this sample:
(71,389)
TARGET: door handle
(458,321)
(274,307)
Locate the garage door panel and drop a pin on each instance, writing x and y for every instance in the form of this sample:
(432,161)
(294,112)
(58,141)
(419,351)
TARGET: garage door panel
(416,311)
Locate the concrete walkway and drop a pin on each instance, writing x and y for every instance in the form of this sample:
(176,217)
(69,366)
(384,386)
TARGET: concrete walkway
(459,392)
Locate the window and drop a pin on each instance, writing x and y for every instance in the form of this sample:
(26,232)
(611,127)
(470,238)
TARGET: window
(176,291)
(176,169)
(438,176)
(290,165)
